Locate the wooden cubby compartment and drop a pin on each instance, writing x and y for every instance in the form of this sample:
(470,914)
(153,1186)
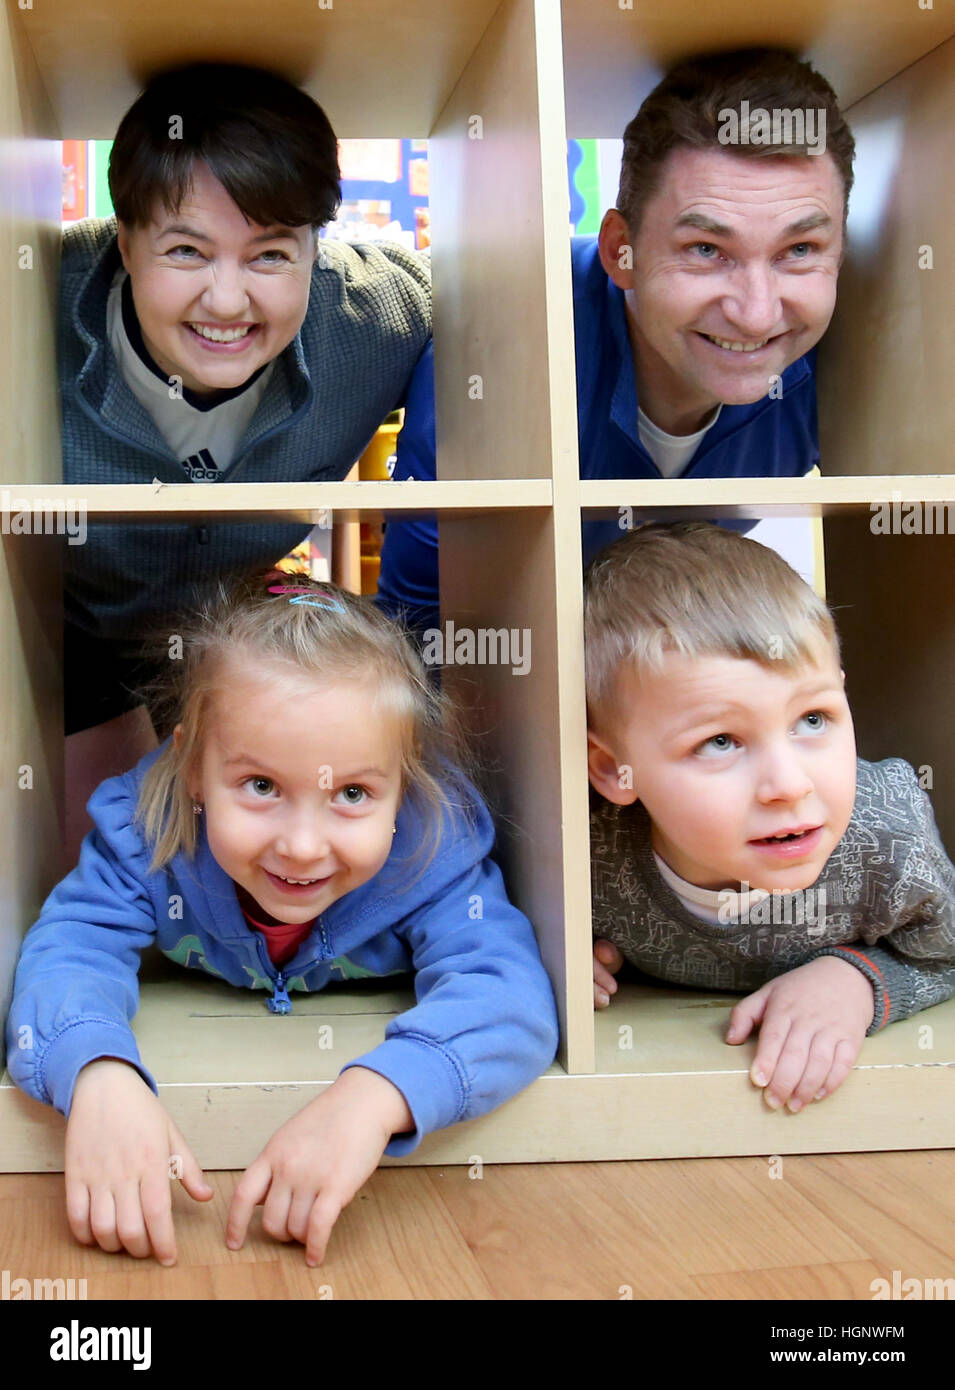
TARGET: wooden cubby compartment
(509,503)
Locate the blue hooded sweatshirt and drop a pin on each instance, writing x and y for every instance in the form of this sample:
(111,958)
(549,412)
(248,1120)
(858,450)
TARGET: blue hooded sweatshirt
(483,1028)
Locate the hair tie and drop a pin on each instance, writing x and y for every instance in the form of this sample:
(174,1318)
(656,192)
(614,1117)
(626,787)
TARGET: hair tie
(305,594)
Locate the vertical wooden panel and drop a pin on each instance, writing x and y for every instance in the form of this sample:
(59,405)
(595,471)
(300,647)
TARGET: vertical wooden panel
(506,407)
(886,405)
(885,365)
(31,721)
(894,600)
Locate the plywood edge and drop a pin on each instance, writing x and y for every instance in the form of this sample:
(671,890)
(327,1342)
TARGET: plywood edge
(558,1119)
(810,496)
(249,499)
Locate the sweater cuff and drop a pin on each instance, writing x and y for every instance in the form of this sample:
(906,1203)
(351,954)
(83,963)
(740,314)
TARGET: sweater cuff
(872,966)
(432,1084)
(79,1044)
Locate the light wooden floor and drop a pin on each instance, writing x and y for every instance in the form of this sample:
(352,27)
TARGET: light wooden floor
(719,1228)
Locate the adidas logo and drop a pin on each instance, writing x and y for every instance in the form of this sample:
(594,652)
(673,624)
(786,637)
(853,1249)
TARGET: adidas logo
(201,467)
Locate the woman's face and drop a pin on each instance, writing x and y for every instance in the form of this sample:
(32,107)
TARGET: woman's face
(208,271)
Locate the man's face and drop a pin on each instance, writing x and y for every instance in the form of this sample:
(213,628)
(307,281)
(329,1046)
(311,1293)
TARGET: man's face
(207,268)
(726,754)
(735,264)
(299,782)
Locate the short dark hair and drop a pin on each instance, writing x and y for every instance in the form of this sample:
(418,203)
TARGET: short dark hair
(266,141)
(683,110)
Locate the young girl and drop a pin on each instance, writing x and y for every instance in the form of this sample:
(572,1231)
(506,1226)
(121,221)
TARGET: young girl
(302,824)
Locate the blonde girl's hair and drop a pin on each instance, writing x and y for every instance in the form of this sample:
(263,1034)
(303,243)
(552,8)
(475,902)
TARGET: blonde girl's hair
(699,590)
(310,630)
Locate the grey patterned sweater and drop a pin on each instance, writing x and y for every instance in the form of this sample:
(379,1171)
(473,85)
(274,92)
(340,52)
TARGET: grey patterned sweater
(888,906)
(368,321)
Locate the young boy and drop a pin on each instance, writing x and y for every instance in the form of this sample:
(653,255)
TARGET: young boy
(738,842)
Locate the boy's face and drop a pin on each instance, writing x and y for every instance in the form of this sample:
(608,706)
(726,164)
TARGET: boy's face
(727,753)
(298,782)
(208,268)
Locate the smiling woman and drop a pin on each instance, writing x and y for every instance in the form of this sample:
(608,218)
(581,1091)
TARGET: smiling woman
(204,325)
(216,298)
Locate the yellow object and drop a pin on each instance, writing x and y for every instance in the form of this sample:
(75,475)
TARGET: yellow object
(373,464)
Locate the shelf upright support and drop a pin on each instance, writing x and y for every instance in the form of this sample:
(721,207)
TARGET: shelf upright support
(886,406)
(506,408)
(31,703)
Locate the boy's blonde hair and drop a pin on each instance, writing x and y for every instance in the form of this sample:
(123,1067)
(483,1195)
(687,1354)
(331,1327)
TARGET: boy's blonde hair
(695,589)
(311,630)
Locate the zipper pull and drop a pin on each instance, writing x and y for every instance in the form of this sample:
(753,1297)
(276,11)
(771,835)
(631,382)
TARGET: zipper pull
(280,1003)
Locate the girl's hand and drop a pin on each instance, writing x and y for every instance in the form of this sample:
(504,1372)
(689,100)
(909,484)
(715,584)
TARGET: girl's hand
(119,1142)
(607,961)
(813,1021)
(312,1167)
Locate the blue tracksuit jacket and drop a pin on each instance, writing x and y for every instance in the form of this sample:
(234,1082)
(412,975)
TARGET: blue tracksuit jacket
(776,437)
(484,1025)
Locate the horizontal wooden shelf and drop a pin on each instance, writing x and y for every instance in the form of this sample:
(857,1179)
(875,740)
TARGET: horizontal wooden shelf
(307,502)
(230,1073)
(293,502)
(91,56)
(615,53)
(378,69)
(671,498)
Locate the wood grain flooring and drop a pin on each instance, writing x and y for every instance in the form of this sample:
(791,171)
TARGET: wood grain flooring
(824,1227)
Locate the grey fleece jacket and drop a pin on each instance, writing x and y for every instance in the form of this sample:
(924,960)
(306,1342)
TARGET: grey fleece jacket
(885,902)
(367,324)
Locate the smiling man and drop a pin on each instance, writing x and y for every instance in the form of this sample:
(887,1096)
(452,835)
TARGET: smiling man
(206,334)
(697,309)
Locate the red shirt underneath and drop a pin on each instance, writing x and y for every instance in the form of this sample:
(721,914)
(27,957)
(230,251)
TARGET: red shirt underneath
(282,939)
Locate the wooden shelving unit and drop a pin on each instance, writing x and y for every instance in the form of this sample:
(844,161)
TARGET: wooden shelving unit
(509,502)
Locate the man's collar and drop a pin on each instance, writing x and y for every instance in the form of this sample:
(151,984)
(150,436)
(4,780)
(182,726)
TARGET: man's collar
(625,404)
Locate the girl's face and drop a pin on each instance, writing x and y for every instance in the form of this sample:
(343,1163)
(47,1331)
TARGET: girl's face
(301,784)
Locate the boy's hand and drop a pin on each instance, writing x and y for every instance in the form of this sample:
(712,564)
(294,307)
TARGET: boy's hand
(607,961)
(812,1024)
(119,1140)
(312,1167)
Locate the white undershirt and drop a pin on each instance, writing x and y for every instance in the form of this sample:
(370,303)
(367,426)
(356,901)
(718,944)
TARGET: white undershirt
(216,431)
(671,452)
(723,907)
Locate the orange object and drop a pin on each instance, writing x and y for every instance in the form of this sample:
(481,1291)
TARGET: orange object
(74,180)
(375,464)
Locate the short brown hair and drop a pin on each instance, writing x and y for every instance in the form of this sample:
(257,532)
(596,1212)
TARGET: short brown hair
(267,142)
(683,110)
(699,590)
